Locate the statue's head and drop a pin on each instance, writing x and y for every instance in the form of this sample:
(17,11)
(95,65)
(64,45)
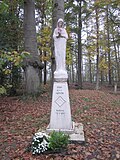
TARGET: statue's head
(60,23)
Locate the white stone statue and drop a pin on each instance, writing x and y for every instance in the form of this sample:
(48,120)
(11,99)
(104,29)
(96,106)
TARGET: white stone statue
(60,37)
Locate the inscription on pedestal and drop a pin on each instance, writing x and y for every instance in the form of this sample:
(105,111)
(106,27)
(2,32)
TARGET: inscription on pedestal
(60,112)
(59,100)
(59,90)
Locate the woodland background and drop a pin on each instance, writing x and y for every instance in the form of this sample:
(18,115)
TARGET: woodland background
(93,52)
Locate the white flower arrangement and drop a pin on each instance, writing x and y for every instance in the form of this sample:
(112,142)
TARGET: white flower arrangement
(40,143)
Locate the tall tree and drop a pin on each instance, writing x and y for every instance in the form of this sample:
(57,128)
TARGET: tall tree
(79,47)
(32,65)
(44,16)
(97,49)
(58,12)
(108,44)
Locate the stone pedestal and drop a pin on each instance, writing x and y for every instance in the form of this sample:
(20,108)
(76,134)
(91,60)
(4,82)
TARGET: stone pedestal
(60,119)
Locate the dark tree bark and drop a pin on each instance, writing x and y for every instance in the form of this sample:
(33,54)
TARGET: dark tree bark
(72,70)
(45,69)
(58,12)
(108,45)
(32,65)
(116,58)
(97,49)
(79,48)
(90,70)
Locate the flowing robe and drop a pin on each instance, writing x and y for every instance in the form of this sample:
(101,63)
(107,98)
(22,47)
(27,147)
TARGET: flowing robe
(60,48)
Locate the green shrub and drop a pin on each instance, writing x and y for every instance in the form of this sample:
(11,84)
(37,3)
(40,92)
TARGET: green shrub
(2,90)
(11,70)
(58,141)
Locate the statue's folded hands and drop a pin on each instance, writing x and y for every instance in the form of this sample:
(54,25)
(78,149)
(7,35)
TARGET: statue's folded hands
(60,36)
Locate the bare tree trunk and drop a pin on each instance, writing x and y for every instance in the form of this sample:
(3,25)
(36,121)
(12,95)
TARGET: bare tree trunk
(118,62)
(90,70)
(41,11)
(32,65)
(89,59)
(41,77)
(106,75)
(45,69)
(58,12)
(79,48)
(97,48)
(102,78)
(69,74)
(72,70)
(116,57)
(108,45)
(76,66)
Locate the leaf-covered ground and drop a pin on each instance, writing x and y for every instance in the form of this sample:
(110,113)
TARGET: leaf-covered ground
(99,111)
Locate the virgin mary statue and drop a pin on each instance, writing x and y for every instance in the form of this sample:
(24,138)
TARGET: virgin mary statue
(60,37)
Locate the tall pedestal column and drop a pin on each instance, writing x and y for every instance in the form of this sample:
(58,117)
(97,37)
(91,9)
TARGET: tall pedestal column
(60,114)
(60,119)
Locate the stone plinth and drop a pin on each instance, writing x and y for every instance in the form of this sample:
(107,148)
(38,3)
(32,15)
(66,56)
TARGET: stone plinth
(60,119)
(78,135)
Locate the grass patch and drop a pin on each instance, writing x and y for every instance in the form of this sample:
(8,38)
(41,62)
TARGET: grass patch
(86,99)
(77,112)
(12,131)
(86,108)
(116,103)
(81,110)
(27,117)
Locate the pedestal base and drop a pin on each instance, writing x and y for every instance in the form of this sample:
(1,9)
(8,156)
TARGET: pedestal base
(76,134)
(68,131)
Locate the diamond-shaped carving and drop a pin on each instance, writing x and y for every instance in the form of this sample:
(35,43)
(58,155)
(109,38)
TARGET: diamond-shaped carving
(60,101)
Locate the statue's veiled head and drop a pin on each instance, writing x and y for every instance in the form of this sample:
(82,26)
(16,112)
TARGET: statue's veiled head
(60,23)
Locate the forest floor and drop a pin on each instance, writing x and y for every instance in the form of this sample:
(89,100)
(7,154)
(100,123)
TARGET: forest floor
(99,111)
